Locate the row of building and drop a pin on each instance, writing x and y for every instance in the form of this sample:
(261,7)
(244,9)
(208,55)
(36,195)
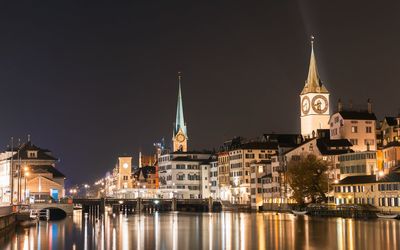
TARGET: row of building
(363,154)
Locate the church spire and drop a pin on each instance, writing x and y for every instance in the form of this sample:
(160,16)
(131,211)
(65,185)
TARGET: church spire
(180,121)
(313,82)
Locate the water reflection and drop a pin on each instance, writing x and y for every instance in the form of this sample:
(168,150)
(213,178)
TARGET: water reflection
(206,231)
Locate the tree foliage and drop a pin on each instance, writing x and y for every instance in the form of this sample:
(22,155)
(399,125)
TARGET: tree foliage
(308,179)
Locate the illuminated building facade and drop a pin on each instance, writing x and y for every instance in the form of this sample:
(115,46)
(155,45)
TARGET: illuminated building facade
(35,177)
(314,101)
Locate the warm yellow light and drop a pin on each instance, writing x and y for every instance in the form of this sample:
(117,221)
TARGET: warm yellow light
(381,173)
(26,168)
(27,174)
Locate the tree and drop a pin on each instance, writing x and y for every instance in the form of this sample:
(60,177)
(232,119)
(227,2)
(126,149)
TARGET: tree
(307,178)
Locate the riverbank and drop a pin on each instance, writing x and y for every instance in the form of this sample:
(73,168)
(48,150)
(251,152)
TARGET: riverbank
(7,218)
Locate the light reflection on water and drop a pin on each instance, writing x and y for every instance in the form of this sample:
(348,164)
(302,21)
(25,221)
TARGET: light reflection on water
(206,231)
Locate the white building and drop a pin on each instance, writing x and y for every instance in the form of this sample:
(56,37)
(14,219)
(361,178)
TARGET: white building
(183,174)
(314,102)
(213,181)
(359,127)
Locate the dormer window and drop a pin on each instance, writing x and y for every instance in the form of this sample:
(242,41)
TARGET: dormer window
(32,154)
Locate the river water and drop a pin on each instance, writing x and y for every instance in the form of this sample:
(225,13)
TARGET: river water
(177,230)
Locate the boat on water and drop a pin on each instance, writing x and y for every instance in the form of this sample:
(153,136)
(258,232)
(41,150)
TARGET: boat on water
(387,216)
(295,212)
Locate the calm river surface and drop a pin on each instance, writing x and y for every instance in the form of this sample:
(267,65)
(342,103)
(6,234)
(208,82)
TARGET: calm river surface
(226,230)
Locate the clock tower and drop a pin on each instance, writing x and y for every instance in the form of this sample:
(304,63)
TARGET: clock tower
(179,133)
(314,101)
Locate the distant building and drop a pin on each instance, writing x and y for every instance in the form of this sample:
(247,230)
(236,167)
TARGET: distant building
(359,127)
(390,130)
(259,171)
(214,180)
(240,158)
(391,155)
(145,177)
(35,176)
(183,175)
(123,173)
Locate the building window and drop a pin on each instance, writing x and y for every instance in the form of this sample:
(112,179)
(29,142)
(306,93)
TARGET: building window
(354,129)
(249,156)
(180,166)
(368,129)
(354,141)
(369,142)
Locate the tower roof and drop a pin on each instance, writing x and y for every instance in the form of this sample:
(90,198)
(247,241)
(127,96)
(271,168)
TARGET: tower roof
(313,83)
(180,121)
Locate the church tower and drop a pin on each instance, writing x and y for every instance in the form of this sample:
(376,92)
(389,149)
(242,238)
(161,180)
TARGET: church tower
(179,133)
(314,101)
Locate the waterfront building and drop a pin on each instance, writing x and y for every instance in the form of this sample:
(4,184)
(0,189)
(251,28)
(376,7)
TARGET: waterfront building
(214,179)
(259,170)
(358,163)
(34,176)
(182,174)
(314,101)
(390,130)
(381,192)
(223,178)
(358,126)
(240,158)
(391,155)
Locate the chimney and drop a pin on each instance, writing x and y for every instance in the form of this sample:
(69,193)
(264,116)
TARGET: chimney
(369,102)
(339,105)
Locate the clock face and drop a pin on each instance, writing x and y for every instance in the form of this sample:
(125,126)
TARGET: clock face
(320,104)
(125,165)
(305,105)
(180,138)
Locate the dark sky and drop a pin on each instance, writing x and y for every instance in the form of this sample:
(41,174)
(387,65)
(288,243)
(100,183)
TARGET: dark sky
(94,81)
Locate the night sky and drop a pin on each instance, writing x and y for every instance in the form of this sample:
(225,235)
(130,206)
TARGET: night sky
(94,81)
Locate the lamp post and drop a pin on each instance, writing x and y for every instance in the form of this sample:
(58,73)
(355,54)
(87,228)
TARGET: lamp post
(26,174)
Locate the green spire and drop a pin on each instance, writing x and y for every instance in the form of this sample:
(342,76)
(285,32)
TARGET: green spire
(180,121)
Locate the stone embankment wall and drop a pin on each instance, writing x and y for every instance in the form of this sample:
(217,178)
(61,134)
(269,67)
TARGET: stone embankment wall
(7,218)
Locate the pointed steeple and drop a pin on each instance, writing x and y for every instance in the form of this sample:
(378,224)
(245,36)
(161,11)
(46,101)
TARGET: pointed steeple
(313,83)
(180,121)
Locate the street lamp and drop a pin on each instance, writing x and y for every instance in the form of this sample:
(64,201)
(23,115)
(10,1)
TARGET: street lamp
(26,174)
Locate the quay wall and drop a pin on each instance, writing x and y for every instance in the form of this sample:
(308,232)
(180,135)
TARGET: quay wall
(7,218)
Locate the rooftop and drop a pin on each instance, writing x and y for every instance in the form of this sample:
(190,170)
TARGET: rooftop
(357,115)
